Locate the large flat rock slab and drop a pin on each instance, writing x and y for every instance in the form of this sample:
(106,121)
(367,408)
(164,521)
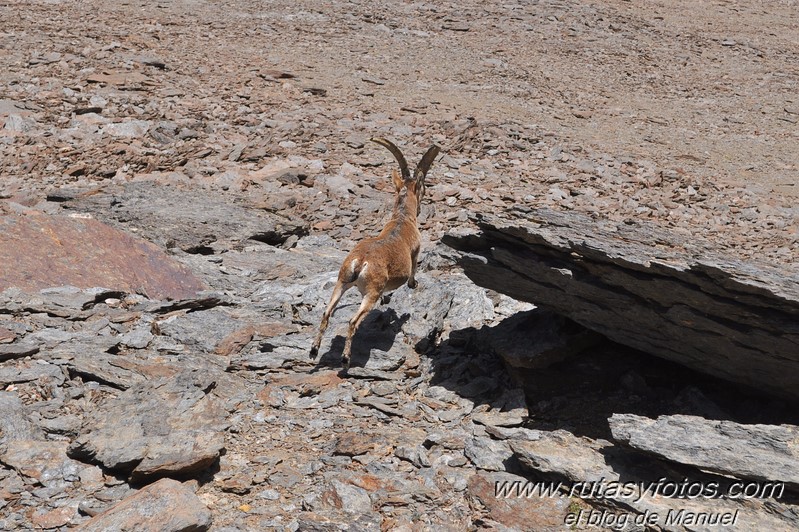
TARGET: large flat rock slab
(41,251)
(667,294)
(758,452)
(195,221)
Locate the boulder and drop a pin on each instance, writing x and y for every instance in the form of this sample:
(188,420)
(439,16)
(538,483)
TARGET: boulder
(191,220)
(164,506)
(184,438)
(645,287)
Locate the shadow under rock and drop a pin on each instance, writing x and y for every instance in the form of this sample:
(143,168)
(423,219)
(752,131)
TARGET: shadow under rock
(378,331)
(580,392)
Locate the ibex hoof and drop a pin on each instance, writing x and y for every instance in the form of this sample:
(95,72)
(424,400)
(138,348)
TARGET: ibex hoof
(413,283)
(314,352)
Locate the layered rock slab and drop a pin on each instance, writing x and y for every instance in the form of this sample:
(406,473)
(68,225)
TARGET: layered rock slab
(645,287)
(758,452)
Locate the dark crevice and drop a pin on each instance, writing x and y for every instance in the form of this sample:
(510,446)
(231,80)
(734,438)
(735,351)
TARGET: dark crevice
(87,377)
(200,250)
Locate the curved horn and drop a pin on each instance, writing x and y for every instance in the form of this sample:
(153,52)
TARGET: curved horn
(403,164)
(424,165)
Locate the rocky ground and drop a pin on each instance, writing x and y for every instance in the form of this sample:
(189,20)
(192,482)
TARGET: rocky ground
(234,138)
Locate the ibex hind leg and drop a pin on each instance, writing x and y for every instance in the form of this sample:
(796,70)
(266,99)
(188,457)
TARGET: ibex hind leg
(338,291)
(368,303)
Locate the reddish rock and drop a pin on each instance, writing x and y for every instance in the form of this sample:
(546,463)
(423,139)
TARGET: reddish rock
(235,341)
(357,443)
(43,251)
(6,336)
(54,518)
(520,512)
(164,506)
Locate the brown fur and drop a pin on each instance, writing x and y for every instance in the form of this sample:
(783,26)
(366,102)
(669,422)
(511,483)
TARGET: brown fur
(385,262)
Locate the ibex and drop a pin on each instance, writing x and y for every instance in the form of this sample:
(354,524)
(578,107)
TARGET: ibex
(383,263)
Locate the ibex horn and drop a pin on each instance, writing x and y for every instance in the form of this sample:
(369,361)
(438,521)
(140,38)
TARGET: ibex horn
(426,162)
(406,174)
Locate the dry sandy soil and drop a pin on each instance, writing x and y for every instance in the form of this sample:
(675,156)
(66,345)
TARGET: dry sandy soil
(693,104)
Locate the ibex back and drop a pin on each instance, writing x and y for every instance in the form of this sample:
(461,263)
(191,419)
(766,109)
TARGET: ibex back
(387,261)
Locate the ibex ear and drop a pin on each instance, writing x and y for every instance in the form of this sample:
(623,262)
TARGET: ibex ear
(397,180)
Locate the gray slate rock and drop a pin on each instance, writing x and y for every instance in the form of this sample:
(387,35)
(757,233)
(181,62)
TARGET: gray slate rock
(191,220)
(647,288)
(105,368)
(185,437)
(11,351)
(757,452)
(278,351)
(199,329)
(43,373)
(45,462)
(562,453)
(487,454)
(14,422)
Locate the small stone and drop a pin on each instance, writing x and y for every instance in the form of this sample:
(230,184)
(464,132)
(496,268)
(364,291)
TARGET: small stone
(384,388)
(355,443)
(347,497)
(513,433)
(55,518)
(11,351)
(415,455)
(373,80)
(269,495)
(488,454)
(238,484)
(138,338)
(498,419)
(130,129)
(6,336)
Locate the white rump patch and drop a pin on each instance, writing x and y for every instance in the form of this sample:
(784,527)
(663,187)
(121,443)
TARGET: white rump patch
(360,282)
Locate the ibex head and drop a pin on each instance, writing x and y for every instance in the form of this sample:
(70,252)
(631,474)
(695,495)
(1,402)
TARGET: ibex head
(402,179)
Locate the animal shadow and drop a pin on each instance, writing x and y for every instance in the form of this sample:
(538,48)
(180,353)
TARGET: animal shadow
(378,331)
